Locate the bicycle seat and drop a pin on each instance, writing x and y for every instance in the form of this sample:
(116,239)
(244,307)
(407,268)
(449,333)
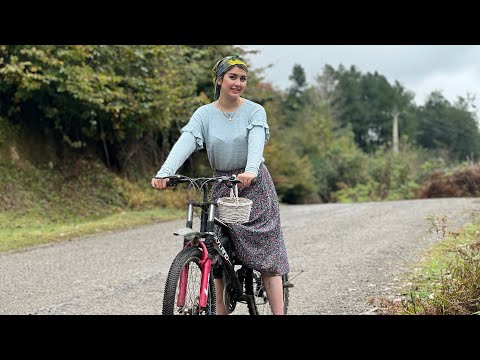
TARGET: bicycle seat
(188,234)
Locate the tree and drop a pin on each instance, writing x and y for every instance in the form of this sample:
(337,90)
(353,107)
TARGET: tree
(294,101)
(364,102)
(299,79)
(114,97)
(448,128)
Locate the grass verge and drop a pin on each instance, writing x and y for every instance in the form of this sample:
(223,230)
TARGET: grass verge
(45,202)
(445,282)
(21,231)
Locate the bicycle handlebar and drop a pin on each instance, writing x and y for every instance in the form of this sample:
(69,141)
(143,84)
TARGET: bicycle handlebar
(229,181)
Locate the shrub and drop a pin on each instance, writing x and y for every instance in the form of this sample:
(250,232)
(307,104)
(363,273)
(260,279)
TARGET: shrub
(462,182)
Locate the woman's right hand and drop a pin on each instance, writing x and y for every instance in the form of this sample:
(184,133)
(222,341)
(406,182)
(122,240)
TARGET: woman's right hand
(159,183)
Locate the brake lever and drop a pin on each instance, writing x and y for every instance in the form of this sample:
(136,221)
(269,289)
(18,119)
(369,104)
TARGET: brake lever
(230,184)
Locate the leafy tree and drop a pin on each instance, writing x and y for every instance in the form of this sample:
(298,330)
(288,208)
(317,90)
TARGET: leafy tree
(298,78)
(449,128)
(292,172)
(294,101)
(118,97)
(366,103)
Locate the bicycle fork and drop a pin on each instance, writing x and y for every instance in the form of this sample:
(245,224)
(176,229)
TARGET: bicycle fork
(205,265)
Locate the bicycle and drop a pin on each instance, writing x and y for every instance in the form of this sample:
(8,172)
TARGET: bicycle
(189,288)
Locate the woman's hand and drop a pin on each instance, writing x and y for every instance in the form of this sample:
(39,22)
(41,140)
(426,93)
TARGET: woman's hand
(159,183)
(246,178)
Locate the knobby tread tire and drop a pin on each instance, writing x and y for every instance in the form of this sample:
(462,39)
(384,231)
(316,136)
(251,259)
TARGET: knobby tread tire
(286,293)
(192,256)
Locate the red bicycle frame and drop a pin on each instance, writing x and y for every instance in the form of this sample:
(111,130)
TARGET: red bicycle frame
(205,265)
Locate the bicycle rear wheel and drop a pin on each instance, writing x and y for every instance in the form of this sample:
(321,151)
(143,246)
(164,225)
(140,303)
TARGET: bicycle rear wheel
(188,258)
(257,288)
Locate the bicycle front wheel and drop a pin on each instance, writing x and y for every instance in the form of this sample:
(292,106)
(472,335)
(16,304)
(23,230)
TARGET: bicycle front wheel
(186,302)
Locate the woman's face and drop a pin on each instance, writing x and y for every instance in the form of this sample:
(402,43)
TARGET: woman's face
(233,82)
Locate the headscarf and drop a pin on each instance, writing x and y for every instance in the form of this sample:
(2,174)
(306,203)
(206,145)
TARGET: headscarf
(222,66)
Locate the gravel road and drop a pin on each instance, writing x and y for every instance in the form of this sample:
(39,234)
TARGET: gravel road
(343,253)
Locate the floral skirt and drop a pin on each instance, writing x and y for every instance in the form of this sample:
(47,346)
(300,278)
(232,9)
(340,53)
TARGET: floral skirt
(258,243)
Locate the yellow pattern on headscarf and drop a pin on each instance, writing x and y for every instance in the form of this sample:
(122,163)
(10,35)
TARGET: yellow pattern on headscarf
(221,67)
(235,62)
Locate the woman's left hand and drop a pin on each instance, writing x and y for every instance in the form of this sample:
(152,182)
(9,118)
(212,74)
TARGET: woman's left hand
(246,178)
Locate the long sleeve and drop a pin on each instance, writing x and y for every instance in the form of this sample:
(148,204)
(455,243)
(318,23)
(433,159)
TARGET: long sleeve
(180,152)
(256,143)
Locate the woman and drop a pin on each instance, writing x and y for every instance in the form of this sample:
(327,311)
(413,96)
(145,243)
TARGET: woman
(234,131)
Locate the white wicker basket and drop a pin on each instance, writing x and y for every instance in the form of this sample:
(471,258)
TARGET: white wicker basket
(234,209)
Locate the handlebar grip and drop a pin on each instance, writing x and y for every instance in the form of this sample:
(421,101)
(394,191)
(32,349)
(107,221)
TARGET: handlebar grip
(161,178)
(172,180)
(236,181)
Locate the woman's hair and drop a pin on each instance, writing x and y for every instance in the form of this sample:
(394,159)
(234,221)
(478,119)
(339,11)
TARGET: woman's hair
(222,66)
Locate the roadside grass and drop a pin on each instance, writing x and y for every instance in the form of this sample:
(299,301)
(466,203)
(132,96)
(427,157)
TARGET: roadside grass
(41,203)
(19,232)
(446,281)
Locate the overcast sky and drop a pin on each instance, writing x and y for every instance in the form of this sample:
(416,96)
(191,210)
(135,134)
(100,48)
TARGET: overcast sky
(452,69)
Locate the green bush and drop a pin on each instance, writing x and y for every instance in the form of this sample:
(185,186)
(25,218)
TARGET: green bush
(390,176)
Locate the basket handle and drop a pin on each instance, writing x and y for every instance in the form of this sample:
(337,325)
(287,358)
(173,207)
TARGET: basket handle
(232,195)
(236,194)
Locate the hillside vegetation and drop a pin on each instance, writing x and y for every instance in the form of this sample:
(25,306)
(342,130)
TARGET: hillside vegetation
(43,198)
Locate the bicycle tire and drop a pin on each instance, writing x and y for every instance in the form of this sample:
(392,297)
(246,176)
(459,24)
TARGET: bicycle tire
(254,285)
(189,256)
